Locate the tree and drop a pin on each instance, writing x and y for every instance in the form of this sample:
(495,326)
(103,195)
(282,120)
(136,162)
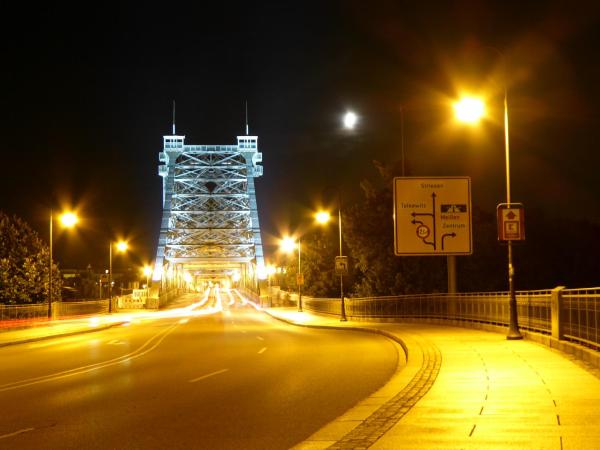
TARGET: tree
(369,234)
(24,264)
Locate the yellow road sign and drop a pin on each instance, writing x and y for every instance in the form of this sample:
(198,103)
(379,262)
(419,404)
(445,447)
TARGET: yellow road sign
(432,216)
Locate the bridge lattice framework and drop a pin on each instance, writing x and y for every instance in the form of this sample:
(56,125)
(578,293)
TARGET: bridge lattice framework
(210,227)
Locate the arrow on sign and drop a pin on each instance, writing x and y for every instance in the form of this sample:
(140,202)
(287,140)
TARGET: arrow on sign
(444,236)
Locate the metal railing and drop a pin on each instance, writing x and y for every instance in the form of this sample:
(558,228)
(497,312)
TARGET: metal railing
(574,316)
(16,313)
(580,316)
(23,312)
(485,307)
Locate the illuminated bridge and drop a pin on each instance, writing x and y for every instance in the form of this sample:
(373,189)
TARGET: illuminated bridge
(209,229)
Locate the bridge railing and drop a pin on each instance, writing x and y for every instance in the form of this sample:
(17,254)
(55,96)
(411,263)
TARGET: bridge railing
(12,315)
(565,314)
(580,316)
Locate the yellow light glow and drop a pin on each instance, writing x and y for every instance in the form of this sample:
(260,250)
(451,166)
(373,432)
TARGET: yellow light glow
(261,272)
(69,219)
(469,109)
(187,277)
(323,217)
(271,269)
(122,246)
(236,276)
(147,271)
(287,244)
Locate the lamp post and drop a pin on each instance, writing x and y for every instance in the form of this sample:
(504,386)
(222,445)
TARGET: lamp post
(470,110)
(270,271)
(121,247)
(299,278)
(288,245)
(68,220)
(324,217)
(147,270)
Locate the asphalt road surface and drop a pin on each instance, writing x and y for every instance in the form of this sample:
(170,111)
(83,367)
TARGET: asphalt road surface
(218,374)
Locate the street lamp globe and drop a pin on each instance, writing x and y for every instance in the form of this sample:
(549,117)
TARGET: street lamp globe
(122,246)
(469,109)
(69,219)
(350,119)
(287,244)
(322,217)
(147,271)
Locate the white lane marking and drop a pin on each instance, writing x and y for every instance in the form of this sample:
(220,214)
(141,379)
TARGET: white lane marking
(116,342)
(147,347)
(208,375)
(24,430)
(260,338)
(243,331)
(262,350)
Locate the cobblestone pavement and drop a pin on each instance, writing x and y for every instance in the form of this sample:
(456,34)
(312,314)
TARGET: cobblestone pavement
(376,425)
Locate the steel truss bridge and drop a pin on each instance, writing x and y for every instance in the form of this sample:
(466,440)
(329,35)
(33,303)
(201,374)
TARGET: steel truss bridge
(209,230)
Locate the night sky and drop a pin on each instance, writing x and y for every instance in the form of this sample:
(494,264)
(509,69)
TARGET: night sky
(87,93)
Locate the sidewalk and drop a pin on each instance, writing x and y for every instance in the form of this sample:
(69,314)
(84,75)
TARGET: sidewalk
(466,389)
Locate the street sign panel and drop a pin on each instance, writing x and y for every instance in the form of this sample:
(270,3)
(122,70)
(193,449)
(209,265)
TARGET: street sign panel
(511,221)
(341,265)
(300,279)
(432,216)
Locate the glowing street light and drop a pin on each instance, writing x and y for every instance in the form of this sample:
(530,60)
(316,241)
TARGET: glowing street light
(350,120)
(67,220)
(287,244)
(121,247)
(147,271)
(470,110)
(322,217)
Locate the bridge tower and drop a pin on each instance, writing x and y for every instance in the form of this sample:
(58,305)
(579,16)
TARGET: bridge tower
(209,228)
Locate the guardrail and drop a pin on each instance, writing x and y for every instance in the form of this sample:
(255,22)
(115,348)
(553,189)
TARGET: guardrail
(59,310)
(565,314)
(580,316)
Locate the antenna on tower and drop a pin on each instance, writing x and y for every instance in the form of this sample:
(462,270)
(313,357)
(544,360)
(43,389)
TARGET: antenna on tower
(173,117)
(246,117)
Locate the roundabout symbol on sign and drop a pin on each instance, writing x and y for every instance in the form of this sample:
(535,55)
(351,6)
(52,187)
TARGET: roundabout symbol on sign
(423,231)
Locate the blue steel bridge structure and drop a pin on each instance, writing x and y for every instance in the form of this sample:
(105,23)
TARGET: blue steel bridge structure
(210,229)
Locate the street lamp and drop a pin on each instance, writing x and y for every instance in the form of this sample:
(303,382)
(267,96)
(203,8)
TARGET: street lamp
(324,217)
(270,271)
(288,245)
(147,270)
(350,120)
(471,110)
(67,220)
(121,247)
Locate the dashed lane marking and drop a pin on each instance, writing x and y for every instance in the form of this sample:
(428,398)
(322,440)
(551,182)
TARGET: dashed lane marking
(262,350)
(16,433)
(208,375)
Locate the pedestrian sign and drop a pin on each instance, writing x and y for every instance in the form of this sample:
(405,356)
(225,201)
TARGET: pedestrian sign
(432,216)
(511,222)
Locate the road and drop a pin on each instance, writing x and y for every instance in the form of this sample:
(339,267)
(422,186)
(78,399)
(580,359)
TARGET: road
(217,374)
